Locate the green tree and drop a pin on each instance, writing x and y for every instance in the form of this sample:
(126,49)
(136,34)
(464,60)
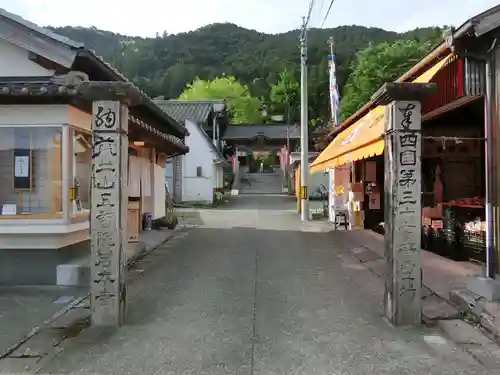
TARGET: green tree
(376,65)
(284,95)
(164,64)
(243,108)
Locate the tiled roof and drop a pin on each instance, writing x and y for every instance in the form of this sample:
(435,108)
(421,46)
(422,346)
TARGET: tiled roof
(194,111)
(40,30)
(213,148)
(149,103)
(182,110)
(270,131)
(56,87)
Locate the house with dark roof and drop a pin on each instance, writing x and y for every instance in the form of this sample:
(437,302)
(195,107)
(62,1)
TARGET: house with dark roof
(194,176)
(275,134)
(45,150)
(210,115)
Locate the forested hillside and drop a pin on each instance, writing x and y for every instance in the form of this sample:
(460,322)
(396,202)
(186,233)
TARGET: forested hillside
(165,64)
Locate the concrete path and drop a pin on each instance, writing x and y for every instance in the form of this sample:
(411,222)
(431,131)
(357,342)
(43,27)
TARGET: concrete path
(24,307)
(254,291)
(262,183)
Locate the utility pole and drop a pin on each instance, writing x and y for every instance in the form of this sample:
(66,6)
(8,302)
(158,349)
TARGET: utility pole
(304,128)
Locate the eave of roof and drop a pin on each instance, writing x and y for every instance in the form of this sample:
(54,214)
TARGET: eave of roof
(196,111)
(268,131)
(217,153)
(212,101)
(52,89)
(435,54)
(41,30)
(146,101)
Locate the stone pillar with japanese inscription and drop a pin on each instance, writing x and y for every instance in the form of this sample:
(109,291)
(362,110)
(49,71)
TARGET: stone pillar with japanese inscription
(108,212)
(402,202)
(402,199)
(403,212)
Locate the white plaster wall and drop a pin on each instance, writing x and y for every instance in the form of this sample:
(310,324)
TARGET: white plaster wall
(159,192)
(218,176)
(34,114)
(14,62)
(197,188)
(169,175)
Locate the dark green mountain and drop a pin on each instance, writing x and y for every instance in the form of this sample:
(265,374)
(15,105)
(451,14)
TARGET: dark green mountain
(165,64)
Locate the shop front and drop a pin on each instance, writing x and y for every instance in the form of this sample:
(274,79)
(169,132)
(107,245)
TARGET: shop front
(356,155)
(454,188)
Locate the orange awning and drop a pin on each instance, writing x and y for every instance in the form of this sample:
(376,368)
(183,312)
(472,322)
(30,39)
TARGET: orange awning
(365,138)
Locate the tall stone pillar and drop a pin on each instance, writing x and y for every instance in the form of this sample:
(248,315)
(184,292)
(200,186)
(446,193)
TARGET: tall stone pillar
(403,237)
(403,209)
(108,226)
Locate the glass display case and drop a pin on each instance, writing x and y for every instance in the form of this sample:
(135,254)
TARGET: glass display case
(31,166)
(45,172)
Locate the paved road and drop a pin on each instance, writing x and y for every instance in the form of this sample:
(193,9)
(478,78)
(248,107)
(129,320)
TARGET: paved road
(252,291)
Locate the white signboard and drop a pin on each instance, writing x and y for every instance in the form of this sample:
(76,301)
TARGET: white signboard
(9,209)
(21,166)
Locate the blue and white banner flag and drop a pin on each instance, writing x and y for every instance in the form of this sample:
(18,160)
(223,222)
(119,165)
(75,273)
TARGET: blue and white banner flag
(334,91)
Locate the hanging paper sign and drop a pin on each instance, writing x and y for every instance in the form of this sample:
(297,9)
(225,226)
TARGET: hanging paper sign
(22,169)
(21,166)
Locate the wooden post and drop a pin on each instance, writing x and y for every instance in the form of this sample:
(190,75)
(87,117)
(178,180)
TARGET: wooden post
(108,212)
(403,209)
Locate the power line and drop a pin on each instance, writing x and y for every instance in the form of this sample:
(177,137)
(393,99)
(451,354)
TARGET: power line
(327,13)
(321,6)
(311,7)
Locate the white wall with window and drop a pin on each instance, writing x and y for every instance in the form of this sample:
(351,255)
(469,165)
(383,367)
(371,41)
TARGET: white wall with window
(45,167)
(37,163)
(30,160)
(197,167)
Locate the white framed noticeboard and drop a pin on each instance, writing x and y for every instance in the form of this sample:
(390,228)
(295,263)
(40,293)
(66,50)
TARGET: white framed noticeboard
(21,166)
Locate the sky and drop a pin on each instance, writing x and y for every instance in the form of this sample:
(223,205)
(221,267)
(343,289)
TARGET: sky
(148,17)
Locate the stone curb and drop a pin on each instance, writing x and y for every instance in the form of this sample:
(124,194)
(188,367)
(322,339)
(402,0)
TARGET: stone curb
(478,310)
(463,307)
(145,251)
(434,306)
(447,315)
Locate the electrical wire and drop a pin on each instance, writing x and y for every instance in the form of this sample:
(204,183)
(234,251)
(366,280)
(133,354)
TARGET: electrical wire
(309,13)
(327,13)
(317,13)
(321,7)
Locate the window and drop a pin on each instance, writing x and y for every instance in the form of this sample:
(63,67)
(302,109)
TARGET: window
(199,172)
(82,167)
(30,170)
